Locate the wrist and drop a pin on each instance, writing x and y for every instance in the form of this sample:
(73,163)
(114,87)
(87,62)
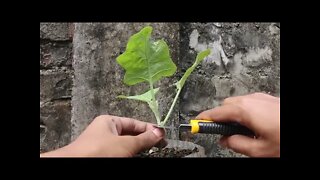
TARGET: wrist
(66,151)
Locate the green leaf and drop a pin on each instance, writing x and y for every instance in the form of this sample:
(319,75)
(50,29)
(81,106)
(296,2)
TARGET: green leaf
(145,60)
(199,58)
(181,82)
(146,97)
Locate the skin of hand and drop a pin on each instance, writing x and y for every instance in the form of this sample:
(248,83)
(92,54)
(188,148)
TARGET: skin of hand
(261,113)
(112,136)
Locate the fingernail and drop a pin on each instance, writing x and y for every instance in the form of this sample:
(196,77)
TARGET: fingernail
(157,132)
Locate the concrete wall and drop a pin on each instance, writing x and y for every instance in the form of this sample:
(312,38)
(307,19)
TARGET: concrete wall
(55,84)
(245,58)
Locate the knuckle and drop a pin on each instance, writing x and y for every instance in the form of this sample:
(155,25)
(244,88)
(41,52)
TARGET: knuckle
(243,102)
(259,94)
(227,100)
(239,113)
(240,101)
(102,118)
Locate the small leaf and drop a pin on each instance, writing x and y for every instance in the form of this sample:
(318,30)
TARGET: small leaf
(146,97)
(199,58)
(181,82)
(202,55)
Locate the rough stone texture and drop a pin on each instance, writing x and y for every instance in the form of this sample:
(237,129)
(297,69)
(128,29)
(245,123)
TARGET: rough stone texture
(98,78)
(245,58)
(55,85)
(56,31)
(55,55)
(55,108)
(55,124)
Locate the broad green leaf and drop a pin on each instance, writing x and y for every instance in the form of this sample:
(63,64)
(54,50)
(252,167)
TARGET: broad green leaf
(199,58)
(145,60)
(146,97)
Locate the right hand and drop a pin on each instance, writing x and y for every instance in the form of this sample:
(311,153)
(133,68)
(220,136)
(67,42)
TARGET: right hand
(260,113)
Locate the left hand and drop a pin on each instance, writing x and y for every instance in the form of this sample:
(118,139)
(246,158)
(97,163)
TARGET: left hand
(112,136)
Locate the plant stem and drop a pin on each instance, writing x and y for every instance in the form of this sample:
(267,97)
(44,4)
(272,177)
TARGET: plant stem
(171,108)
(154,103)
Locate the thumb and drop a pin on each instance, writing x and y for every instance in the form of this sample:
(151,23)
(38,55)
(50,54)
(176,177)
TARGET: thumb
(223,113)
(149,139)
(242,144)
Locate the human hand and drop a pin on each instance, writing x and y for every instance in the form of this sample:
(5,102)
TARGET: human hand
(112,136)
(260,113)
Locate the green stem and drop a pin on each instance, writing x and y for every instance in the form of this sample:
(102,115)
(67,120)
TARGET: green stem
(154,103)
(171,108)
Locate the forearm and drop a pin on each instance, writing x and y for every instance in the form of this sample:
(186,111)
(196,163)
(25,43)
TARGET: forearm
(66,151)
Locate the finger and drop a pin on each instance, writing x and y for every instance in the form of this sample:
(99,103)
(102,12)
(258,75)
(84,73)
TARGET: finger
(256,96)
(232,100)
(225,113)
(242,144)
(263,96)
(148,139)
(129,126)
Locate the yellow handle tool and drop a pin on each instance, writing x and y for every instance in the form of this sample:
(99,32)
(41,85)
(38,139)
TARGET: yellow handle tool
(211,127)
